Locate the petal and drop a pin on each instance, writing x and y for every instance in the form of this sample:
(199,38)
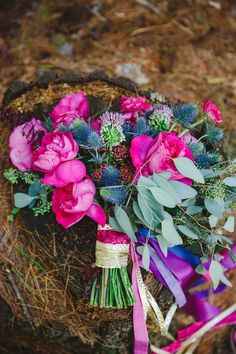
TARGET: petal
(67,220)
(96,213)
(139,148)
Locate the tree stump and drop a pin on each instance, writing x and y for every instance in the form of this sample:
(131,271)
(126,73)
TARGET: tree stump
(46,271)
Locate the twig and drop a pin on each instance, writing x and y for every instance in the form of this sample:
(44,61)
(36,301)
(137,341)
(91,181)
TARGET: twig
(148,5)
(18,295)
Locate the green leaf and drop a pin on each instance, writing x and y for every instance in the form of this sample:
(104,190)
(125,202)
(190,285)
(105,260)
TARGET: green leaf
(167,187)
(216,173)
(213,220)
(188,202)
(146,257)
(145,182)
(215,207)
(194,209)
(163,197)
(145,209)
(188,169)
(124,222)
(169,232)
(114,224)
(229,225)
(163,245)
(187,232)
(140,250)
(138,212)
(21,200)
(200,269)
(216,272)
(230,181)
(232,255)
(184,191)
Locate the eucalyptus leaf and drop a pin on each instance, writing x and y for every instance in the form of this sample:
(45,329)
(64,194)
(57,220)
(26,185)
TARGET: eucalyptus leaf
(146,257)
(163,245)
(167,187)
(215,207)
(145,182)
(230,181)
(188,169)
(225,281)
(124,221)
(138,212)
(169,233)
(187,232)
(145,209)
(184,191)
(200,269)
(216,272)
(213,220)
(216,173)
(194,209)
(229,225)
(188,202)
(163,197)
(21,200)
(140,249)
(115,225)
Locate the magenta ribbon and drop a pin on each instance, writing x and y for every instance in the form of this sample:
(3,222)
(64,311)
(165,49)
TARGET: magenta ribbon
(187,332)
(139,322)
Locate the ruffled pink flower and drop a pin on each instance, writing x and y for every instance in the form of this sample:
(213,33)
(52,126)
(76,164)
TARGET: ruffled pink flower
(213,111)
(72,202)
(132,105)
(69,108)
(189,139)
(21,143)
(57,147)
(151,156)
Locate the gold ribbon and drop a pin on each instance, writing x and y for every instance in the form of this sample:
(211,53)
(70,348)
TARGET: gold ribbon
(111,255)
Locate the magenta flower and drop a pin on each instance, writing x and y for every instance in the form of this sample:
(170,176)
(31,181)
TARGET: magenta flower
(72,202)
(57,148)
(151,156)
(21,143)
(69,108)
(132,105)
(213,111)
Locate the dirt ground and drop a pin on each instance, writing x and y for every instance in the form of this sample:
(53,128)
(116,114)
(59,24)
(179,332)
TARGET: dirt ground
(183,49)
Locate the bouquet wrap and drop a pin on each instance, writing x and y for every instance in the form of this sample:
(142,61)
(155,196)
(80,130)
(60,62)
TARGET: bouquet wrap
(112,288)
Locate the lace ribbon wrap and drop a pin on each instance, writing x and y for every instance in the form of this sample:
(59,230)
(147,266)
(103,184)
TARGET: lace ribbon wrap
(112,248)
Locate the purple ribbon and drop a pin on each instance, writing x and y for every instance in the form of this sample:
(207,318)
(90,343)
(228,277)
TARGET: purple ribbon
(177,273)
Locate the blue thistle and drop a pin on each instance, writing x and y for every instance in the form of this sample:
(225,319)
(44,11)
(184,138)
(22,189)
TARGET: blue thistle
(214,133)
(64,128)
(142,126)
(81,133)
(110,176)
(196,148)
(185,114)
(128,131)
(114,195)
(94,142)
(206,159)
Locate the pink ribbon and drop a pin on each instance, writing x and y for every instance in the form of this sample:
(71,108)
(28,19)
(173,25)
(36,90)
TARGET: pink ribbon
(187,332)
(139,322)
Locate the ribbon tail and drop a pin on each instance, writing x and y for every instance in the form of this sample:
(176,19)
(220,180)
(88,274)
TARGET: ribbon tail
(139,318)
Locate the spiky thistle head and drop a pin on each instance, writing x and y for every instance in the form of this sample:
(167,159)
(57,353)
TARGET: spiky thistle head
(207,158)
(214,133)
(185,114)
(110,176)
(111,130)
(161,118)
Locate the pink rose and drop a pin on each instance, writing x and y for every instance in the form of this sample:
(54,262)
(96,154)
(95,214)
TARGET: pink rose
(72,202)
(131,105)
(57,147)
(69,108)
(21,143)
(213,111)
(151,156)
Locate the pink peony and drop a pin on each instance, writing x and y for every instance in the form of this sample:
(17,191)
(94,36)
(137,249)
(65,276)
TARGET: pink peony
(72,202)
(69,108)
(57,147)
(21,143)
(213,111)
(131,105)
(151,156)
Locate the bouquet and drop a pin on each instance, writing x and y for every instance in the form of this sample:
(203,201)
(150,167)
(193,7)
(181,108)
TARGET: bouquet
(153,176)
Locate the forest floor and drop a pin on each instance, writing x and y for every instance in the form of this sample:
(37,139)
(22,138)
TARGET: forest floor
(183,49)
